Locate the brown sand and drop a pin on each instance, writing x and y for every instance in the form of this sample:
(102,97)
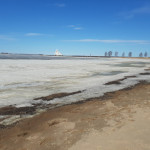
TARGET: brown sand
(120,122)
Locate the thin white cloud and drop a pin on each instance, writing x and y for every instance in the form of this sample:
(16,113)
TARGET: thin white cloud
(4,37)
(34,34)
(60,5)
(71,26)
(137,11)
(75,27)
(142,10)
(111,41)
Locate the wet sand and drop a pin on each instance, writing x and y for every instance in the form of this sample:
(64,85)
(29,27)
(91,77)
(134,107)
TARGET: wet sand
(117,121)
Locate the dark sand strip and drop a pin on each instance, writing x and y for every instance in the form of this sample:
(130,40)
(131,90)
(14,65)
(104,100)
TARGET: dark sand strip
(145,73)
(119,80)
(57,95)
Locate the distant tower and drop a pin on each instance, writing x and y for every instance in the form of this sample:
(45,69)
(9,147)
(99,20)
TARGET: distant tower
(57,53)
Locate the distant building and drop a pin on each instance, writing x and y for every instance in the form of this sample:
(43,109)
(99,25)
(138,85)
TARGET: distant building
(57,53)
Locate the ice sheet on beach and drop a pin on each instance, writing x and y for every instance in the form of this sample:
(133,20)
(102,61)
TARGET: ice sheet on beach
(23,80)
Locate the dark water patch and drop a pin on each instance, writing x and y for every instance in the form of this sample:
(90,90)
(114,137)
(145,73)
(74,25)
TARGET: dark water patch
(107,73)
(123,65)
(57,95)
(47,57)
(113,73)
(131,64)
(116,72)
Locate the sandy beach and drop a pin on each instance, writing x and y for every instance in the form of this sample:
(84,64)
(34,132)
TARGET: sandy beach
(118,120)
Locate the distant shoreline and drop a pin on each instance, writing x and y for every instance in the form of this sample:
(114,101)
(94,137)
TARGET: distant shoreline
(23,56)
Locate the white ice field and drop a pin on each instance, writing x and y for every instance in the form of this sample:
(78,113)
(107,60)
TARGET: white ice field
(23,80)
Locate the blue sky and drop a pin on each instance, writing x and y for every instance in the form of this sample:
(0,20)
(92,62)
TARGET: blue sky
(75,27)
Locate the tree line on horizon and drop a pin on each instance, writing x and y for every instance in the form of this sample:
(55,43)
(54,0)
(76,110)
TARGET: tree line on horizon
(116,54)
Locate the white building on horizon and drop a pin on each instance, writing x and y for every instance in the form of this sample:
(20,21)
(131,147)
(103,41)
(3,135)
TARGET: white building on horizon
(57,53)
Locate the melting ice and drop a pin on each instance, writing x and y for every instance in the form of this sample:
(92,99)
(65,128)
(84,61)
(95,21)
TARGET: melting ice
(23,80)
